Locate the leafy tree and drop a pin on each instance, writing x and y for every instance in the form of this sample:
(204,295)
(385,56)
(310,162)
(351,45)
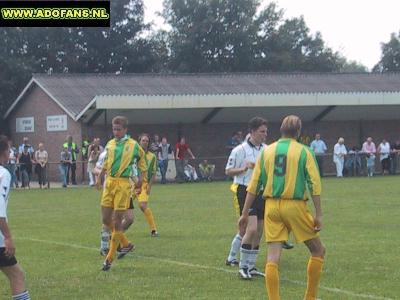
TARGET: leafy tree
(390,58)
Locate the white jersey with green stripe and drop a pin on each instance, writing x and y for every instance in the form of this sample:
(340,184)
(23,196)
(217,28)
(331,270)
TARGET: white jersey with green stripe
(245,152)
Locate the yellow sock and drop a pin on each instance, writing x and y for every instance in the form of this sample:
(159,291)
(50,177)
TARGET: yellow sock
(123,239)
(272,281)
(314,270)
(115,240)
(150,219)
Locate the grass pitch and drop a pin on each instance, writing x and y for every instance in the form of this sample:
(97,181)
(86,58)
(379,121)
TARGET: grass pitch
(57,238)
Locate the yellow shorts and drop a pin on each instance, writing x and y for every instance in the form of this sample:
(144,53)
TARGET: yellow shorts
(236,205)
(116,193)
(283,216)
(143,196)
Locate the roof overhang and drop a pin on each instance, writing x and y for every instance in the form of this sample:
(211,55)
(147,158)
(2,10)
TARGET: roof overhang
(244,100)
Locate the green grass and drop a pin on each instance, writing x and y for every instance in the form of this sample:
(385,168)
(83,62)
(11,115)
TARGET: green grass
(57,237)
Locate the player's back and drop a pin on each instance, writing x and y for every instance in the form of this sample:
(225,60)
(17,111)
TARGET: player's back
(289,165)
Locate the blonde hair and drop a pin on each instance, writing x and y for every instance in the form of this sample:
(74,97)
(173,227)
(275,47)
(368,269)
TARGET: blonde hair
(120,120)
(291,126)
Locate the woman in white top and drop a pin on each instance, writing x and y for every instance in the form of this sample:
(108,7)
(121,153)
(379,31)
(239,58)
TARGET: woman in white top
(384,152)
(41,158)
(339,151)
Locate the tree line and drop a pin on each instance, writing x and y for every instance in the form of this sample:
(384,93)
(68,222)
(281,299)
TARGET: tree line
(204,36)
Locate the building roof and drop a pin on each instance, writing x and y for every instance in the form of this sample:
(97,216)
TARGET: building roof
(76,93)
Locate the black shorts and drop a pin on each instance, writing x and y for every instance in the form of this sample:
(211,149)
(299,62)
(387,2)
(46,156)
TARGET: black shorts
(6,261)
(131,204)
(258,207)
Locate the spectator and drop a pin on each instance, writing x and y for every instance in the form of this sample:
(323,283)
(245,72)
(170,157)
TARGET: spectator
(234,140)
(384,152)
(65,161)
(339,151)
(319,148)
(71,169)
(206,170)
(155,145)
(181,149)
(190,173)
(85,148)
(41,158)
(12,162)
(25,162)
(94,151)
(163,152)
(395,156)
(369,150)
(353,162)
(31,151)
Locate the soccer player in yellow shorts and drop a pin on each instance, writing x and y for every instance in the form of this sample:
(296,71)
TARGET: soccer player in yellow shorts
(287,172)
(148,179)
(122,153)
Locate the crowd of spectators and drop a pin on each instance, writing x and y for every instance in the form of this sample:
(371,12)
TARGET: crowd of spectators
(25,162)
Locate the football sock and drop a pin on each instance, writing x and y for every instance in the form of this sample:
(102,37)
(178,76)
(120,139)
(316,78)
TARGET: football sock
(115,240)
(22,296)
(105,238)
(253,258)
(272,280)
(245,256)
(235,246)
(314,270)
(123,240)
(150,219)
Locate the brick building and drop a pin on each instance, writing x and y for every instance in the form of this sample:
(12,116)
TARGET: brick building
(206,108)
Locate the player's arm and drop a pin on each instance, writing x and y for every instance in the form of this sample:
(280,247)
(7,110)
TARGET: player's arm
(314,186)
(141,164)
(232,168)
(153,177)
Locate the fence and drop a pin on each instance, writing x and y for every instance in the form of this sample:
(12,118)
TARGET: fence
(355,165)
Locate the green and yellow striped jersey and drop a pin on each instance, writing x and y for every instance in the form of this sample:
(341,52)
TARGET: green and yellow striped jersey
(285,170)
(151,164)
(121,155)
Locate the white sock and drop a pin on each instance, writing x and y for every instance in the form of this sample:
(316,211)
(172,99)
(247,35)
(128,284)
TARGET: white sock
(22,296)
(245,258)
(235,246)
(105,238)
(253,258)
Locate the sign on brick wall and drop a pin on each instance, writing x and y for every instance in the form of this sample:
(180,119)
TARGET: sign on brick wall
(57,123)
(25,124)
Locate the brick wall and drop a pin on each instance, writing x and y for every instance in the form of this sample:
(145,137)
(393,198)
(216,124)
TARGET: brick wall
(39,105)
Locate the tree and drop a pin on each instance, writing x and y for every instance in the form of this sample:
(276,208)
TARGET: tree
(390,58)
(231,36)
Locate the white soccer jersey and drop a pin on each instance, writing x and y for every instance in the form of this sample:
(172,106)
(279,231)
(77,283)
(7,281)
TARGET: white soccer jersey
(5,181)
(100,161)
(245,152)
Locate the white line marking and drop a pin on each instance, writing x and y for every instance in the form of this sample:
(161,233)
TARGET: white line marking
(179,263)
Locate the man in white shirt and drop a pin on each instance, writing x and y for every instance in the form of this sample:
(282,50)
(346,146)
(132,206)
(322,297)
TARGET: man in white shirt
(240,166)
(339,152)
(319,148)
(8,263)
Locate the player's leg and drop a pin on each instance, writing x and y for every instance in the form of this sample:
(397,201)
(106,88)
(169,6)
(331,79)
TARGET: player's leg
(247,252)
(128,219)
(106,229)
(272,271)
(16,277)
(143,199)
(314,268)
(238,203)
